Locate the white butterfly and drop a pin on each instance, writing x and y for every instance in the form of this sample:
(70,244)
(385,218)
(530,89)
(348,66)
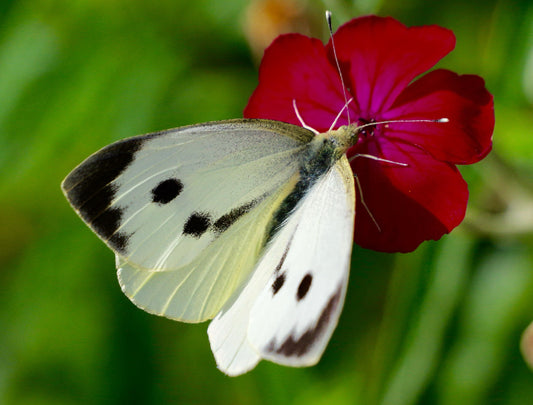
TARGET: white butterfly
(246,221)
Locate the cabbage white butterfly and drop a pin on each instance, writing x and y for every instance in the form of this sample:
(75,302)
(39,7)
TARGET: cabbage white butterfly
(247,221)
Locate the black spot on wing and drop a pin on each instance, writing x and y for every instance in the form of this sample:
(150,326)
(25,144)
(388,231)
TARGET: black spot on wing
(226,220)
(197,224)
(304,286)
(90,191)
(299,347)
(166,191)
(278,283)
(280,279)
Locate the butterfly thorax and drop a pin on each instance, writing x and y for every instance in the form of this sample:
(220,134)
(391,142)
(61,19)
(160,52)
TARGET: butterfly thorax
(321,154)
(326,148)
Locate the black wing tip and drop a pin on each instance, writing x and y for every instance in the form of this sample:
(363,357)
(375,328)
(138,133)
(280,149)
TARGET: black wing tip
(90,191)
(99,170)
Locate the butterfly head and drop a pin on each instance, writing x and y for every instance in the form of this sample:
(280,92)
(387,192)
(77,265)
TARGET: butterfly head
(343,138)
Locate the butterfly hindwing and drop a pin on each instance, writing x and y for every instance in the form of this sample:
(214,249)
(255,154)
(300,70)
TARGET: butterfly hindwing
(288,309)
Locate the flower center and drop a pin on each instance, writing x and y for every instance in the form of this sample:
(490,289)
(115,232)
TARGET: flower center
(367,131)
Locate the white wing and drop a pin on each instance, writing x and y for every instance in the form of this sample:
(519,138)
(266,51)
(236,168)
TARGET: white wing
(187,211)
(289,308)
(158,200)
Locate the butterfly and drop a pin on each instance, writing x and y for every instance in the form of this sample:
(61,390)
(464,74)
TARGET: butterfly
(248,222)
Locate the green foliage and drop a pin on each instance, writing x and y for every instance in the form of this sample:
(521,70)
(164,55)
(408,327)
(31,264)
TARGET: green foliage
(441,325)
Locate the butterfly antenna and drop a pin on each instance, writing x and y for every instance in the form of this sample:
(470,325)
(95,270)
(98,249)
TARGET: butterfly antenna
(302,122)
(371,124)
(364,155)
(328,19)
(340,113)
(360,189)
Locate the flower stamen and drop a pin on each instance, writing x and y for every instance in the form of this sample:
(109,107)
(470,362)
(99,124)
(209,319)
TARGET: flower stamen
(366,127)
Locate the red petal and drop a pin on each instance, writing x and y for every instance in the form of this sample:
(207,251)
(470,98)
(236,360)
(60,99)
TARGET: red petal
(381,56)
(296,67)
(410,204)
(464,100)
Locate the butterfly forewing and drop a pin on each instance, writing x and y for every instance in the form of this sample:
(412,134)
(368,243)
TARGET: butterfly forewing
(159,200)
(288,309)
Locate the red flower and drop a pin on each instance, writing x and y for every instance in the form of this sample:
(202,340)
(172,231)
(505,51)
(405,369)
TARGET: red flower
(379,58)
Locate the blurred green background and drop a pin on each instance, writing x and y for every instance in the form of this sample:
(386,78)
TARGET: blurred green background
(441,325)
